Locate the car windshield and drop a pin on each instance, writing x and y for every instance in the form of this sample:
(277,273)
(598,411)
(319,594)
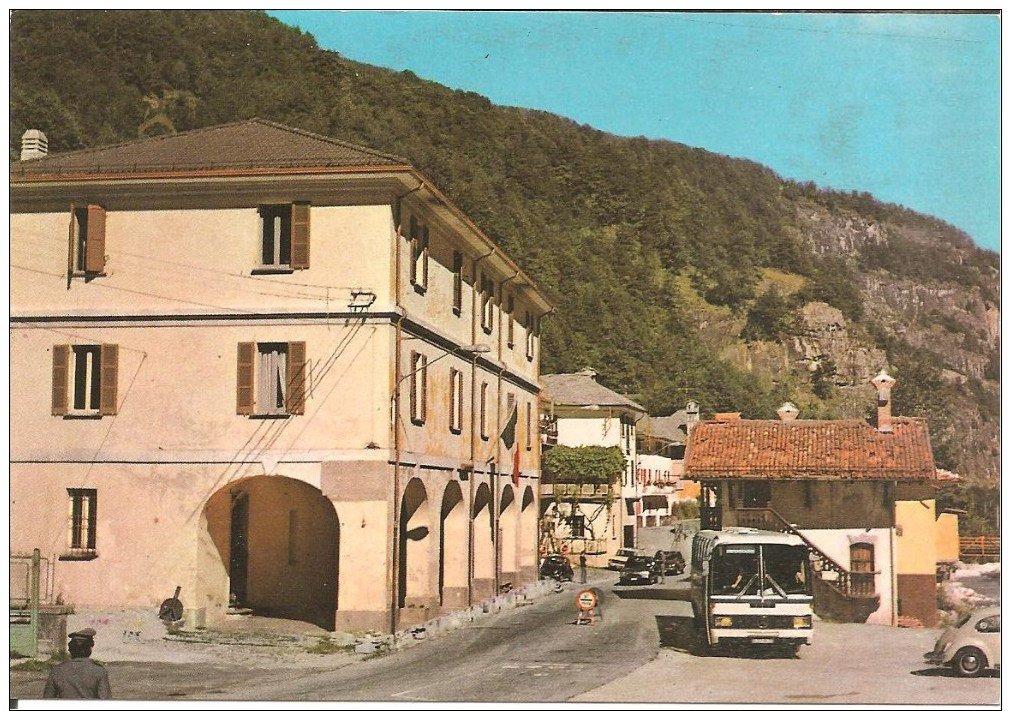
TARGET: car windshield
(638,563)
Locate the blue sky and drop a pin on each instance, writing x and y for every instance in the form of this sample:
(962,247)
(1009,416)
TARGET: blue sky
(905,106)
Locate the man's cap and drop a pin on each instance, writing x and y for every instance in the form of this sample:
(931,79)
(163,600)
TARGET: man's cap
(86,632)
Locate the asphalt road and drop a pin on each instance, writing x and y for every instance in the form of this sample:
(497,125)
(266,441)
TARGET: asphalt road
(531,653)
(639,649)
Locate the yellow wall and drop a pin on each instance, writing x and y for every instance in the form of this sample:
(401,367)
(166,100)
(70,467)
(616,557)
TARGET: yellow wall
(947,537)
(916,547)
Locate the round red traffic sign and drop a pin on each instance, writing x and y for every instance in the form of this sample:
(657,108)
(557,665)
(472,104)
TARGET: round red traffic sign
(586,600)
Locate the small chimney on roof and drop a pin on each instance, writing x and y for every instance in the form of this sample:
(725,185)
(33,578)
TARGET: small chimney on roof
(884,382)
(788,412)
(691,415)
(589,373)
(34,144)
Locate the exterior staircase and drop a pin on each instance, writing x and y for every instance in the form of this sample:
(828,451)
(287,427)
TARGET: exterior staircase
(839,594)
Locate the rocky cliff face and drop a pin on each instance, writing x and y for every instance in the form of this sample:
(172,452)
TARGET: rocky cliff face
(956,319)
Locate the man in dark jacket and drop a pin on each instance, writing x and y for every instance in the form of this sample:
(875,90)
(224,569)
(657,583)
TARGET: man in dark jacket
(80,677)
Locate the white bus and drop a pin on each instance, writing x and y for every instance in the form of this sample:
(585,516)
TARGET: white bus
(751,587)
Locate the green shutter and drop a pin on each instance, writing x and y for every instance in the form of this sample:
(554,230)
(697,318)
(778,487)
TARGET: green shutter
(244,401)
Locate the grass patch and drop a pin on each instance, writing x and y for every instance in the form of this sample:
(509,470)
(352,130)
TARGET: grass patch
(325,645)
(43,665)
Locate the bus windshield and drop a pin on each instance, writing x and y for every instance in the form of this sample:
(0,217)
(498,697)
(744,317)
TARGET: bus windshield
(766,569)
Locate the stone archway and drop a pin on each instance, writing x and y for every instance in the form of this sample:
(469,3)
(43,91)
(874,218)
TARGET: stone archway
(508,523)
(484,550)
(453,549)
(528,537)
(415,584)
(277,540)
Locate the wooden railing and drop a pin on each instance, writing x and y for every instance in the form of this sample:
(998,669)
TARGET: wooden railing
(978,547)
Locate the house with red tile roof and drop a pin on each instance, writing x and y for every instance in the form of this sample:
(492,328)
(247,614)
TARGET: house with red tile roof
(839,485)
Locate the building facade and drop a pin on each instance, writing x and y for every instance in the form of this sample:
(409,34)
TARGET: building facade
(842,485)
(593,518)
(281,372)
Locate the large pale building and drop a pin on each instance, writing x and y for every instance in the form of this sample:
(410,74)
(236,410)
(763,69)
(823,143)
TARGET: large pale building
(279,371)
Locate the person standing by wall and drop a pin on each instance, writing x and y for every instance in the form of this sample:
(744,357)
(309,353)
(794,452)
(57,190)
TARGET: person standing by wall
(80,677)
(582,567)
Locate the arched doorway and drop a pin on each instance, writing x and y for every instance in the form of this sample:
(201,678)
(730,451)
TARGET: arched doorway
(278,539)
(453,548)
(415,545)
(484,551)
(528,538)
(508,526)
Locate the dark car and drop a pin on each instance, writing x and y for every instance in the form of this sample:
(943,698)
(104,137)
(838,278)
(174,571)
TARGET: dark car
(674,562)
(556,566)
(639,569)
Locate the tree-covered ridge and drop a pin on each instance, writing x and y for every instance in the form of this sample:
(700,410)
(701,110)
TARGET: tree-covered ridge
(652,250)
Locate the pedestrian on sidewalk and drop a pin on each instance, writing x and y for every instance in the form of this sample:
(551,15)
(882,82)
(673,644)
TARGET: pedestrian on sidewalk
(582,568)
(80,677)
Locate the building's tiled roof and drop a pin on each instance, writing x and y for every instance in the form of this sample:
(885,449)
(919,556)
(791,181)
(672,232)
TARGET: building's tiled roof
(255,144)
(581,390)
(809,449)
(672,428)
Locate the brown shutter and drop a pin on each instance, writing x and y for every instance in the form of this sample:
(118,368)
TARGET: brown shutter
(424,256)
(61,367)
(71,244)
(244,380)
(424,391)
(94,260)
(295,402)
(300,236)
(109,359)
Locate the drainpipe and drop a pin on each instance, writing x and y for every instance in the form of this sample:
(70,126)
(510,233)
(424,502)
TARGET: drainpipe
(397,370)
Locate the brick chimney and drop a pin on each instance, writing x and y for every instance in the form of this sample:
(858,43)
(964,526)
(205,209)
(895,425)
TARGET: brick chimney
(788,412)
(884,382)
(34,144)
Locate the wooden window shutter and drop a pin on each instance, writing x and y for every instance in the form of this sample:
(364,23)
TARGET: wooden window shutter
(424,391)
(424,257)
(109,358)
(61,367)
(94,259)
(300,235)
(295,401)
(244,401)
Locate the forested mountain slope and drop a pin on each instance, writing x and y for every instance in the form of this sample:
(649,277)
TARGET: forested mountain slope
(678,273)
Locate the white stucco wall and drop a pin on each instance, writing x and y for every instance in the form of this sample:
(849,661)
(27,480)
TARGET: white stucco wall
(836,544)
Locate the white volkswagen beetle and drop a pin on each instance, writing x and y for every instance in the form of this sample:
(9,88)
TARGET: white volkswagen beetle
(971,645)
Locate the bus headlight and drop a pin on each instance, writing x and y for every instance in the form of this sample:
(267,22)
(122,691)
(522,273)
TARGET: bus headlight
(723,621)
(802,622)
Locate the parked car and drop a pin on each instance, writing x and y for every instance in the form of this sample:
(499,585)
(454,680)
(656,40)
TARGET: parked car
(972,645)
(639,569)
(674,562)
(556,566)
(621,556)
